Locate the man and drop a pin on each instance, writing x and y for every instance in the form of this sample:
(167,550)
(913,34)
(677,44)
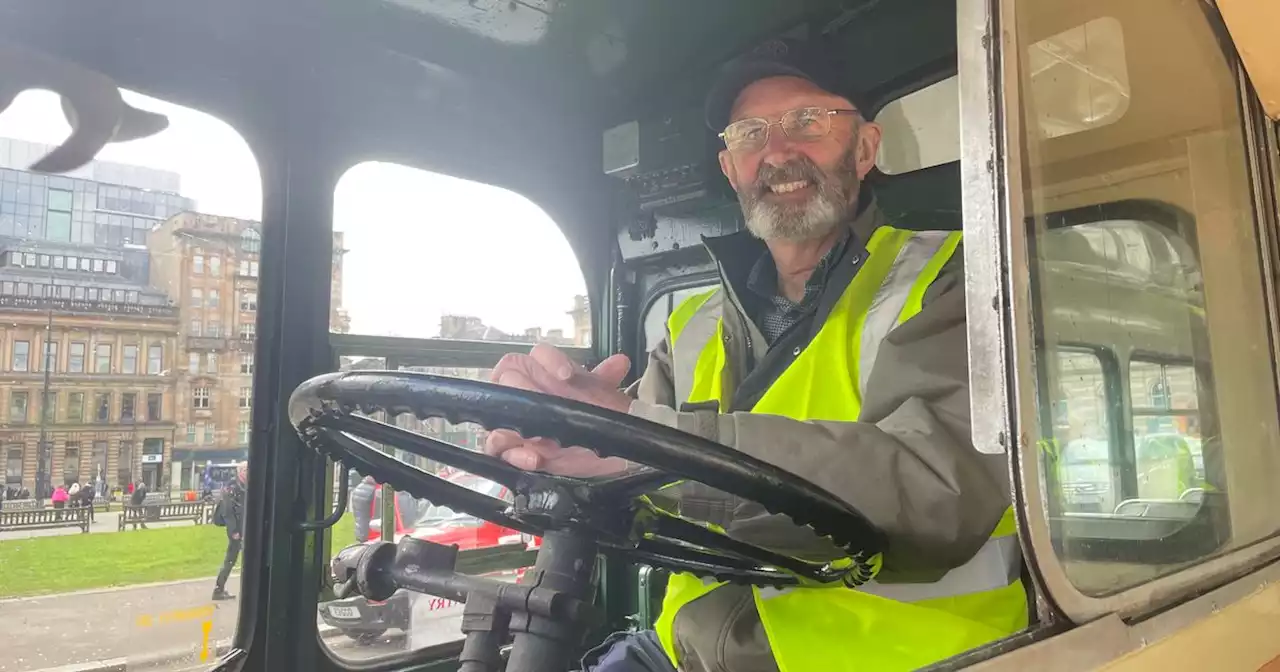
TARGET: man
(137,496)
(231,514)
(835,349)
(362,498)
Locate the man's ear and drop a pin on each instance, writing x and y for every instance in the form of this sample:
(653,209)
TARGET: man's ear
(727,167)
(868,147)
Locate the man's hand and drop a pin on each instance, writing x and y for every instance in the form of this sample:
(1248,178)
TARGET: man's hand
(549,371)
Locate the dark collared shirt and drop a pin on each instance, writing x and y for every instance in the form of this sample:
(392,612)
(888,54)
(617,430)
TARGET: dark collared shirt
(777,313)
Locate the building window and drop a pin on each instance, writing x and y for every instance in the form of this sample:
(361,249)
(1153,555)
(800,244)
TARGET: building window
(197,297)
(99,265)
(13,466)
(59,262)
(193,363)
(50,356)
(251,240)
(102,358)
(249,268)
(18,401)
(21,353)
(197,264)
(155,407)
(248,301)
(50,404)
(102,407)
(213,298)
(247,331)
(244,432)
(58,216)
(195,326)
(71,462)
(75,407)
(246,363)
(124,468)
(75,360)
(128,401)
(98,467)
(112,266)
(155,359)
(211,363)
(200,398)
(246,397)
(130,363)
(215,266)
(191,432)
(213,329)
(209,430)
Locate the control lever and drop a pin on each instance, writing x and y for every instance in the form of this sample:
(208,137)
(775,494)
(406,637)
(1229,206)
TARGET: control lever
(549,609)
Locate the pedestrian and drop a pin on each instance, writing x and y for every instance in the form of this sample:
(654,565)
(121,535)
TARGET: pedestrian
(136,499)
(230,514)
(87,495)
(60,497)
(362,498)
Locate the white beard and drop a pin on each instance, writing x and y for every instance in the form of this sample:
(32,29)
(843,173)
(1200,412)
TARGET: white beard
(815,219)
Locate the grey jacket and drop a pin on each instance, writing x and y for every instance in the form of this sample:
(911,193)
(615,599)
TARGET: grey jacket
(908,463)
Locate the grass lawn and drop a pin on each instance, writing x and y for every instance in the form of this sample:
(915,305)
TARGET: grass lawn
(44,565)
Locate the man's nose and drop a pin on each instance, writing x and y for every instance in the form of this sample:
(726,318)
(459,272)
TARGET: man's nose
(779,150)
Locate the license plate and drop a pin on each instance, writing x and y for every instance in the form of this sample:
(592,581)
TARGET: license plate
(344,612)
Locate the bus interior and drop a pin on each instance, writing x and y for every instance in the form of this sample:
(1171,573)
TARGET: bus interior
(1111,165)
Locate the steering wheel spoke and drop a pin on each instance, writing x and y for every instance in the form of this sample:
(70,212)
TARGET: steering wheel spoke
(404,477)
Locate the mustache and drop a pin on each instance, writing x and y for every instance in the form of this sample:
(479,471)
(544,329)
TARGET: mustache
(800,168)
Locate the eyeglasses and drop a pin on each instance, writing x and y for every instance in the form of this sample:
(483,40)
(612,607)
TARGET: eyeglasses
(805,124)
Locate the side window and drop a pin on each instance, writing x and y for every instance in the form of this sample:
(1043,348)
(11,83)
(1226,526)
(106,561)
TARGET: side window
(420,255)
(116,289)
(661,307)
(921,129)
(1166,429)
(1083,416)
(1156,402)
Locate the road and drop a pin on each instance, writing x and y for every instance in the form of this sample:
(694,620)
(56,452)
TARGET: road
(160,625)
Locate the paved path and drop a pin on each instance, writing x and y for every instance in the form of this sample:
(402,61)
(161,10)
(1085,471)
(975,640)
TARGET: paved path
(135,623)
(104,522)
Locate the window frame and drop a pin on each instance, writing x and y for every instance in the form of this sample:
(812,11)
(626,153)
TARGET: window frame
(1002,353)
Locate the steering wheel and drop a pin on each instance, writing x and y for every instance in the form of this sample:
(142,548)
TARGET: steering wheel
(576,517)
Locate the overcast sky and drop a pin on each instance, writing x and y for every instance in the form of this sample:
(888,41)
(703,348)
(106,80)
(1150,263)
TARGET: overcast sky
(421,244)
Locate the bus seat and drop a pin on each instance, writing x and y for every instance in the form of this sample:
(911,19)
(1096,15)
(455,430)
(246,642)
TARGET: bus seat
(921,200)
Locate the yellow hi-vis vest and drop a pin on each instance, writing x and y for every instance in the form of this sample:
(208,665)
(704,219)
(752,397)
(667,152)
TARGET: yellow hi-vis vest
(874,626)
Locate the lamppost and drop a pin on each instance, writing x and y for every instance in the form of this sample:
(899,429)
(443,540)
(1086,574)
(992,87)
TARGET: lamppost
(44,463)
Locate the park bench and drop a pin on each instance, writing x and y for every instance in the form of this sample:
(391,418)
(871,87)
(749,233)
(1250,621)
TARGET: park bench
(43,519)
(159,512)
(21,505)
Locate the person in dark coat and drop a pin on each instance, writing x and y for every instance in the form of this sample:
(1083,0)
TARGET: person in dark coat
(231,515)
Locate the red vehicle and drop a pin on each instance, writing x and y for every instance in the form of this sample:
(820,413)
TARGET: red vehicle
(366,620)
(442,525)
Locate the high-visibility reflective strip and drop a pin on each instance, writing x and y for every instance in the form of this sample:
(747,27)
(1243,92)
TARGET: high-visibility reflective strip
(689,339)
(892,297)
(996,565)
